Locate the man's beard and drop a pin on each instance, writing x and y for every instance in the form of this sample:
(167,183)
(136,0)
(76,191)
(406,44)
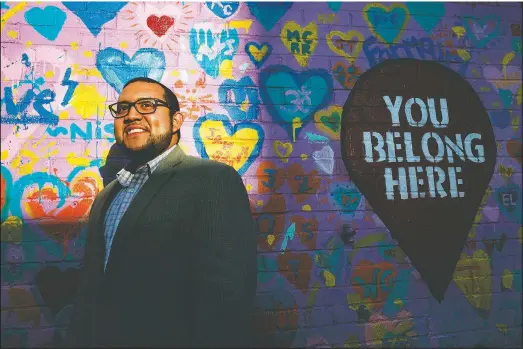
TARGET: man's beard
(154,147)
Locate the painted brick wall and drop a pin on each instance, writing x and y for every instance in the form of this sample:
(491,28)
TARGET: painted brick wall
(313,289)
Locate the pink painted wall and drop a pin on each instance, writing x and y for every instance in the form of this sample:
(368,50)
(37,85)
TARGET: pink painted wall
(56,132)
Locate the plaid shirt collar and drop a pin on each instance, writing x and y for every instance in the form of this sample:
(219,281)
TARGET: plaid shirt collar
(125,177)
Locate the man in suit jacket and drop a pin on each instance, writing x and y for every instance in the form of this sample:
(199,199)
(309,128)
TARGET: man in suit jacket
(170,258)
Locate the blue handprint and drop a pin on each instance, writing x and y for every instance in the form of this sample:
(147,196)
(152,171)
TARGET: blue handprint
(210,50)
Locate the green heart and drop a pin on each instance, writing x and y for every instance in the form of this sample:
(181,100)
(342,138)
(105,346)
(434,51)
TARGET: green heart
(332,122)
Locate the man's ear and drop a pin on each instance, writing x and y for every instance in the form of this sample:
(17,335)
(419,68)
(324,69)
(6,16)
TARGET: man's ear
(177,121)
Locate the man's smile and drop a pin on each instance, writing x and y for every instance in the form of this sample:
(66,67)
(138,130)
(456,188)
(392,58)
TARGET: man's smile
(135,129)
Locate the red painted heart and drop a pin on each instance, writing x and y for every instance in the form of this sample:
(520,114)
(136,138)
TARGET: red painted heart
(62,223)
(296,267)
(306,230)
(374,281)
(159,25)
(270,219)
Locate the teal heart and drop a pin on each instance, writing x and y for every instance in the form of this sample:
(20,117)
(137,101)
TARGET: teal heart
(268,13)
(345,197)
(516,45)
(48,21)
(506,97)
(426,14)
(387,25)
(289,94)
(476,28)
(334,5)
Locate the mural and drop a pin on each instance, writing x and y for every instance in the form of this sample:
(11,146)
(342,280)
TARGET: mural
(398,122)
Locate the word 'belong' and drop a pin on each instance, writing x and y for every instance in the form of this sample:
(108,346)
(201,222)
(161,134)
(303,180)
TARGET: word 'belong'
(396,147)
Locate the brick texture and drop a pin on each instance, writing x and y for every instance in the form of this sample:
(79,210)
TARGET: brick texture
(314,288)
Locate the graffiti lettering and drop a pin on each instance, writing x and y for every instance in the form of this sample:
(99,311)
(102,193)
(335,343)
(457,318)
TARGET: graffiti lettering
(327,18)
(464,147)
(86,134)
(299,44)
(424,48)
(299,181)
(17,111)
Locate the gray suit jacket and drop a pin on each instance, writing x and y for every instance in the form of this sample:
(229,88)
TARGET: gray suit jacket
(182,267)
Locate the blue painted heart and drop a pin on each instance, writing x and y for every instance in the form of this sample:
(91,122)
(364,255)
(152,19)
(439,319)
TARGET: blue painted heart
(500,118)
(482,30)
(258,53)
(48,21)
(211,50)
(268,13)
(223,9)
(117,67)
(95,14)
(237,145)
(245,104)
(509,201)
(289,94)
(426,14)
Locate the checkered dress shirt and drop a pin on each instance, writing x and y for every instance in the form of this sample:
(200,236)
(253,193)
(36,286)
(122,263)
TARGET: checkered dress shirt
(131,184)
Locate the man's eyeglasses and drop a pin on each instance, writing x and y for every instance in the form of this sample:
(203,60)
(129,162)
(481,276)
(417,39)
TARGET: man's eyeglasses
(142,106)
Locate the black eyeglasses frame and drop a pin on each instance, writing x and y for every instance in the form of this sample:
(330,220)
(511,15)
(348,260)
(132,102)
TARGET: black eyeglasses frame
(157,103)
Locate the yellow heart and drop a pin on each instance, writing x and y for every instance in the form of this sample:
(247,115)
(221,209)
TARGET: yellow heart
(301,42)
(258,54)
(387,9)
(286,146)
(473,277)
(327,113)
(346,37)
(233,150)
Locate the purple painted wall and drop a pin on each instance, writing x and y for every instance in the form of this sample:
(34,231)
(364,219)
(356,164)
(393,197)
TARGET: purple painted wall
(62,63)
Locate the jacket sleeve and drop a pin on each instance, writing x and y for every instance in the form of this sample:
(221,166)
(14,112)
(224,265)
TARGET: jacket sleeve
(223,257)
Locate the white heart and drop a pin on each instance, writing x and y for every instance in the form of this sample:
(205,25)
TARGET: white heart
(324,158)
(245,66)
(492,213)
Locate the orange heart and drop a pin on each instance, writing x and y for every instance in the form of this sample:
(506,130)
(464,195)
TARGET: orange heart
(302,183)
(270,178)
(374,282)
(271,221)
(306,230)
(296,267)
(62,223)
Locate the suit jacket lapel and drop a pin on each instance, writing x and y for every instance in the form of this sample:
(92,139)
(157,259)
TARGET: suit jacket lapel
(158,178)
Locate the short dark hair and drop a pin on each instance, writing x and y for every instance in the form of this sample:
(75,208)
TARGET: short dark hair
(169,96)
